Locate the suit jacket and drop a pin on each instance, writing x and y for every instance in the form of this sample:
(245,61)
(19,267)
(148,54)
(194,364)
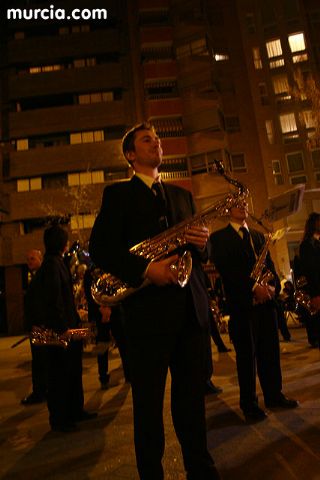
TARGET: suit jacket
(128,216)
(310,264)
(49,299)
(232,261)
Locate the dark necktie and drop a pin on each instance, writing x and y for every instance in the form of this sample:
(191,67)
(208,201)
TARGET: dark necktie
(248,245)
(161,204)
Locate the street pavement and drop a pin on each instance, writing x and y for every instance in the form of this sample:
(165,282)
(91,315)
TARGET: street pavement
(285,446)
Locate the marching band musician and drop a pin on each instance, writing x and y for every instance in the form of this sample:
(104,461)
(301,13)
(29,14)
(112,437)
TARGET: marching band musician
(166,325)
(50,302)
(309,263)
(253,322)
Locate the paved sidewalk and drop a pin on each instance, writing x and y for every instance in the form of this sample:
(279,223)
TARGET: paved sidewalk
(285,446)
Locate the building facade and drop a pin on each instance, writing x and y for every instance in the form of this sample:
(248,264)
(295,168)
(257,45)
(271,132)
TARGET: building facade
(217,80)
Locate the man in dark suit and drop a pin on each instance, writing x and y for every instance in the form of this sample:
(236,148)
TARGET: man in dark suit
(166,325)
(309,265)
(253,322)
(50,303)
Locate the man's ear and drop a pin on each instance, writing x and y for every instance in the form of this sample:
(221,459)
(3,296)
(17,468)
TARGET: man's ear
(130,156)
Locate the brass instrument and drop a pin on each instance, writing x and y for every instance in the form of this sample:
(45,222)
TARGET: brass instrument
(260,274)
(302,297)
(109,290)
(46,336)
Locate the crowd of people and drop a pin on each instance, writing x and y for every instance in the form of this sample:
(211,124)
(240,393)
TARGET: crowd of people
(161,326)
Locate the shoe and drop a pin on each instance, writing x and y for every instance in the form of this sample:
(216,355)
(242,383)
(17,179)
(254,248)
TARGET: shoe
(84,415)
(32,399)
(224,349)
(64,428)
(282,402)
(254,414)
(104,385)
(212,389)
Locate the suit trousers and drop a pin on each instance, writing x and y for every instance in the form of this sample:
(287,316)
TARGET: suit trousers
(254,334)
(65,392)
(184,352)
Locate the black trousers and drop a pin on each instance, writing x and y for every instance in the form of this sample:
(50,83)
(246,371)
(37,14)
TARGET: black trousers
(184,352)
(39,367)
(65,392)
(254,333)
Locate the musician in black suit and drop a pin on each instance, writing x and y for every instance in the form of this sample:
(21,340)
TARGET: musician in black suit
(50,303)
(309,263)
(166,325)
(253,322)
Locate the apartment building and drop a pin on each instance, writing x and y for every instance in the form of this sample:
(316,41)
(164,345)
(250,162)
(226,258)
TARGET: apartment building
(215,77)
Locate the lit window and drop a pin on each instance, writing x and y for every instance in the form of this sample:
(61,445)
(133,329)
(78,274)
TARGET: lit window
(219,57)
(270,132)
(288,123)
(274,48)
(87,137)
(75,138)
(22,144)
(107,96)
(88,221)
(308,118)
(35,183)
(79,63)
(295,162)
(257,58)
(302,57)
(35,70)
(73,179)
(76,222)
(280,84)
(277,63)
(297,42)
(98,176)
(84,99)
(98,136)
(23,185)
(95,97)
(85,178)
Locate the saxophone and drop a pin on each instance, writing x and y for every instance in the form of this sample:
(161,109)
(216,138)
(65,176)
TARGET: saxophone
(302,297)
(47,337)
(260,274)
(108,290)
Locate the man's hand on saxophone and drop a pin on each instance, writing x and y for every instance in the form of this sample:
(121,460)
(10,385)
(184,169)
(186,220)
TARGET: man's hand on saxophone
(159,273)
(197,236)
(263,293)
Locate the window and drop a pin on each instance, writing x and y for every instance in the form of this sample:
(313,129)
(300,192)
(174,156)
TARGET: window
(45,68)
(308,119)
(18,35)
(298,179)
(277,172)
(87,137)
(295,162)
(288,123)
(315,155)
(250,22)
(274,48)
(232,124)
(196,47)
(297,42)
(238,163)
(220,57)
(84,62)
(270,131)
(85,178)
(22,144)
(281,86)
(95,97)
(257,58)
(264,99)
(28,184)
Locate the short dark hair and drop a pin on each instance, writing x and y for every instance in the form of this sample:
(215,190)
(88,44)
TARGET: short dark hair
(55,239)
(129,137)
(311,225)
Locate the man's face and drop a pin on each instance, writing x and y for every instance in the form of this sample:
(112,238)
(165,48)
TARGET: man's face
(33,260)
(148,151)
(240,212)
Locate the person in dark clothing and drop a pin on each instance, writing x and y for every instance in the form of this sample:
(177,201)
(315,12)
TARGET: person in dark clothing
(253,323)
(38,354)
(50,302)
(166,325)
(309,254)
(109,324)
